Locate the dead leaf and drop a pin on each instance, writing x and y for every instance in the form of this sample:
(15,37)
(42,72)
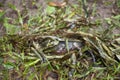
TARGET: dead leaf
(1,10)
(57,4)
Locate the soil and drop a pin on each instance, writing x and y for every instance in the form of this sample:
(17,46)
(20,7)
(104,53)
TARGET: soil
(103,8)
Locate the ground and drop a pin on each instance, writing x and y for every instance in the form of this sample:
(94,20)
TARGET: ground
(104,9)
(25,19)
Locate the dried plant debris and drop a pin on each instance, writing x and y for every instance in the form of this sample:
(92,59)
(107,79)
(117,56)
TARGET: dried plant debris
(51,75)
(62,43)
(49,50)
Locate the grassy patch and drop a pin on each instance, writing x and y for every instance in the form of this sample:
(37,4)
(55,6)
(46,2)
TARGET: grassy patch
(27,49)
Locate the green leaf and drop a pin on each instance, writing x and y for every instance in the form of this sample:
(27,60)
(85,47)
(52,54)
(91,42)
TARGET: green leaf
(10,28)
(12,6)
(31,63)
(108,20)
(116,17)
(1,14)
(9,65)
(1,60)
(118,3)
(50,10)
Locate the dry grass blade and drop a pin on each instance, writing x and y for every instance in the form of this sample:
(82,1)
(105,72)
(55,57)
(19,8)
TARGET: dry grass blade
(29,64)
(80,33)
(72,40)
(107,50)
(100,49)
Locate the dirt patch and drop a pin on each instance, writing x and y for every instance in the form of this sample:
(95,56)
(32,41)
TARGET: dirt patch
(97,9)
(103,9)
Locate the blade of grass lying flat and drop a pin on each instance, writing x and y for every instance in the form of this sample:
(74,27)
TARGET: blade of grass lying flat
(115,45)
(54,57)
(117,40)
(100,50)
(84,74)
(93,69)
(117,50)
(31,63)
(17,55)
(98,68)
(40,54)
(118,56)
(67,45)
(80,33)
(37,53)
(31,54)
(109,52)
(11,54)
(30,58)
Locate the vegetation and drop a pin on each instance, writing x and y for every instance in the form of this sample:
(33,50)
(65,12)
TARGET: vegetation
(29,49)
